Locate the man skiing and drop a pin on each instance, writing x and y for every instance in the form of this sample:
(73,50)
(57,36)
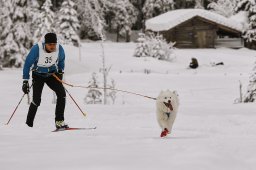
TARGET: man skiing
(46,58)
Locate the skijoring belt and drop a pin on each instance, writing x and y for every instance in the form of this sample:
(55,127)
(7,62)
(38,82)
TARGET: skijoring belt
(45,71)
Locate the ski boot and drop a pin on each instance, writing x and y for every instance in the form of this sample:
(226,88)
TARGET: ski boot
(61,125)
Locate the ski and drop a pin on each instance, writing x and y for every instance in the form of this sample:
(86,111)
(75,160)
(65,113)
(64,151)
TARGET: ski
(64,129)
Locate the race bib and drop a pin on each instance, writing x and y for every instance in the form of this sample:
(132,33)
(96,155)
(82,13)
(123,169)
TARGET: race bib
(47,59)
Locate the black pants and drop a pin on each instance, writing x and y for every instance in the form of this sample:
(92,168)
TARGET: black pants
(56,86)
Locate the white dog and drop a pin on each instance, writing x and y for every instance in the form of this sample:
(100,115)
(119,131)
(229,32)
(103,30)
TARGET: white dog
(167,104)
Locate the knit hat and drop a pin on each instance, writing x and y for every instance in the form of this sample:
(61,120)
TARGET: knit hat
(50,38)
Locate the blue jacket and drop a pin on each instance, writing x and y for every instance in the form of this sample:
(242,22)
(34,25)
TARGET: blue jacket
(32,59)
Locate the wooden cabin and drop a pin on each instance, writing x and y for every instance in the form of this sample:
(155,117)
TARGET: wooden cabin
(197,28)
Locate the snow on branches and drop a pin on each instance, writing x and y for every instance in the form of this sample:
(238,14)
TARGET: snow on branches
(154,8)
(95,92)
(15,36)
(250,95)
(44,21)
(250,7)
(68,23)
(154,46)
(223,7)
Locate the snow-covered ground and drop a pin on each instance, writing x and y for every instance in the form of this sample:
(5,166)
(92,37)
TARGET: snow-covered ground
(210,132)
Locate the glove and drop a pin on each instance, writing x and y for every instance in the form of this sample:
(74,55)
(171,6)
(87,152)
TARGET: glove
(25,87)
(59,74)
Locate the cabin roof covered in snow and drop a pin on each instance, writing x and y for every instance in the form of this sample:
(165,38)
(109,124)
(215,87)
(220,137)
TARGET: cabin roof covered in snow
(173,18)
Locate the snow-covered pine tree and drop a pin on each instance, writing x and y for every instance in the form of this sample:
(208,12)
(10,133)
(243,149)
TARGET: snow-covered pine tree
(97,18)
(94,95)
(44,21)
(5,25)
(33,14)
(154,8)
(116,14)
(111,92)
(1,28)
(125,17)
(223,7)
(138,4)
(250,34)
(88,11)
(250,6)
(244,5)
(154,46)
(1,15)
(68,23)
(199,4)
(250,95)
(160,49)
(142,47)
(15,37)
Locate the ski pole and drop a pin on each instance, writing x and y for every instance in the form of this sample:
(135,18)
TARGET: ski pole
(17,106)
(75,102)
